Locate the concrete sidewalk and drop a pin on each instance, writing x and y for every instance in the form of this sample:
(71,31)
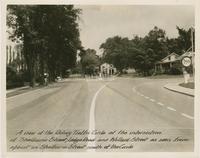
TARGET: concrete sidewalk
(176,88)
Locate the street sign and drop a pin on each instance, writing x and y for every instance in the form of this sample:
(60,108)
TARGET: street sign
(186,61)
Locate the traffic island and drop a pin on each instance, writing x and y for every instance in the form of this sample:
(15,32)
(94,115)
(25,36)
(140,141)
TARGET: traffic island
(176,87)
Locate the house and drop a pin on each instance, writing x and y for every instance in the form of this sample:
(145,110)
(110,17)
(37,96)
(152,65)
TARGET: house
(170,61)
(107,69)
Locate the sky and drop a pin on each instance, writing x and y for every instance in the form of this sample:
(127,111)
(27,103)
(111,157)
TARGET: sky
(97,22)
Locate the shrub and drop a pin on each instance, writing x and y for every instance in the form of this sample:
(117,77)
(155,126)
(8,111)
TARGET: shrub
(13,79)
(174,71)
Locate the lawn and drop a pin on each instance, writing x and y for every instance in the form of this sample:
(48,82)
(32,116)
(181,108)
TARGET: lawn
(152,77)
(187,85)
(164,76)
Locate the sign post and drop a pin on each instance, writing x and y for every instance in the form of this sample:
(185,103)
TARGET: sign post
(192,42)
(186,62)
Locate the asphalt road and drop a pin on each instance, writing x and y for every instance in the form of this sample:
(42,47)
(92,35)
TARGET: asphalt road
(135,114)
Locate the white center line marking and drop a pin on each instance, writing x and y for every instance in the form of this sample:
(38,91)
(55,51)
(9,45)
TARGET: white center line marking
(147,97)
(152,100)
(170,108)
(187,116)
(92,119)
(161,104)
(133,89)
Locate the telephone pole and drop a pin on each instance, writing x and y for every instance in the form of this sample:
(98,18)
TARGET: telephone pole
(193,50)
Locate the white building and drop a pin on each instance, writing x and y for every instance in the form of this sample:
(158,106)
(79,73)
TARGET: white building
(107,69)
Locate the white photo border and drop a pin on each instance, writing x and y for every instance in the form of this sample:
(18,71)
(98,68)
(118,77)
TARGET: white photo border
(195,154)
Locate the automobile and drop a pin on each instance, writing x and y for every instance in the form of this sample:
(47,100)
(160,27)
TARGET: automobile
(58,78)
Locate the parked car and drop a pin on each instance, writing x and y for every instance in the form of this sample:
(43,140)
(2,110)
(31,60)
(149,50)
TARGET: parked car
(58,78)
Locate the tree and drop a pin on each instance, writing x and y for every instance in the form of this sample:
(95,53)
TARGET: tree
(62,48)
(150,49)
(143,53)
(90,62)
(156,42)
(173,46)
(20,19)
(184,39)
(115,51)
(50,37)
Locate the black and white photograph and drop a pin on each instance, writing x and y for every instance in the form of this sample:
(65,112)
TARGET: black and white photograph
(100,78)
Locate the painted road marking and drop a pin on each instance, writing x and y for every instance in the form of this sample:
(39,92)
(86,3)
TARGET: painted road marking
(133,89)
(170,108)
(92,119)
(187,116)
(99,79)
(152,100)
(161,104)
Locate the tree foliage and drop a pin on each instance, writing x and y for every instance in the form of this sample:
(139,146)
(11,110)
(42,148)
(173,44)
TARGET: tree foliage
(184,38)
(90,62)
(50,37)
(116,51)
(143,53)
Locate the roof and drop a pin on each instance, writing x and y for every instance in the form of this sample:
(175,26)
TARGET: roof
(165,58)
(189,54)
(106,64)
(169,56)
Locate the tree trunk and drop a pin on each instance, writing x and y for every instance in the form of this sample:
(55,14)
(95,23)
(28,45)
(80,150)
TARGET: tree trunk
(30,61)
(41,71)
(32,73)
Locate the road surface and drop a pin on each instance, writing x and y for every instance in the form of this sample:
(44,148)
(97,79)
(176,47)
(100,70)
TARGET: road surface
(139,113)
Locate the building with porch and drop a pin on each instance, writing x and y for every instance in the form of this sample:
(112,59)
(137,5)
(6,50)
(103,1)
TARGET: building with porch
(107,69)
(167,63)
(172,62)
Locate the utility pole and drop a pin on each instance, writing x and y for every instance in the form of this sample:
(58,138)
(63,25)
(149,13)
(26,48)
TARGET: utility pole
(193,52)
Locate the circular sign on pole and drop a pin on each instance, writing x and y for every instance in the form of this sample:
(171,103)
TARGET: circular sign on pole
(186,61)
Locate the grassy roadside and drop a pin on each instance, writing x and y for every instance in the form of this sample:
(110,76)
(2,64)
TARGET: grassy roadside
(152,77)
(165,76)
(187,85)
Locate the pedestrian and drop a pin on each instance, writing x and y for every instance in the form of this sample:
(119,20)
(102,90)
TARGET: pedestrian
(45,79)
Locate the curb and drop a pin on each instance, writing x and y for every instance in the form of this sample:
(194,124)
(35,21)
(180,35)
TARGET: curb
(17,89)
(26,89)
(177,91)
